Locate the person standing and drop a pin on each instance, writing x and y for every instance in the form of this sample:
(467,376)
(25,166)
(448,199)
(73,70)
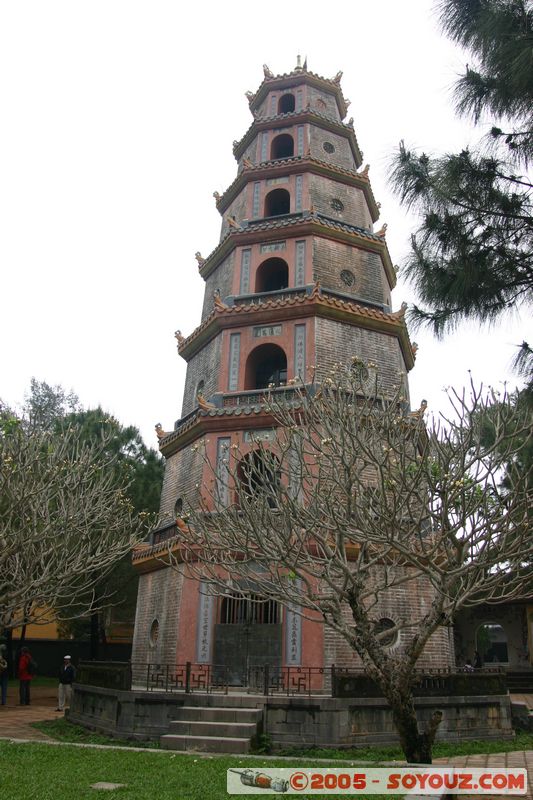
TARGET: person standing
(67,676)
(3,673)
(25,676)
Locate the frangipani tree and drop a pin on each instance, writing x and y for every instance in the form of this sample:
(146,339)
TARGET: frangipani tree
(65,520)
(352,498)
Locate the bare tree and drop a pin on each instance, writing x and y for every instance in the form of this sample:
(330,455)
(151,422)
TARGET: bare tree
(353,499)
(65,520)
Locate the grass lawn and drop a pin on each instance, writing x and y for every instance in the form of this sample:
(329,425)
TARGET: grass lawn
(522,741)
(64,731)
(49,772)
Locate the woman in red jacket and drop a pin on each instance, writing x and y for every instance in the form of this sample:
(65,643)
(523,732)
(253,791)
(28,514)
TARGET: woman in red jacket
(25,676)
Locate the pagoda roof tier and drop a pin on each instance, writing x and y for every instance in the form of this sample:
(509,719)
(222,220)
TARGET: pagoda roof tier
(297,76)
(296,117)
(302,223)
(295,164)
(202,421)
(318,303)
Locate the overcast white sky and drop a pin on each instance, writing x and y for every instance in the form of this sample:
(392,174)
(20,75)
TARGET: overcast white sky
(117,122)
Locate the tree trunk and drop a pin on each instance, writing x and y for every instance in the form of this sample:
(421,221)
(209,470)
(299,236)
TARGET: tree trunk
(417,746)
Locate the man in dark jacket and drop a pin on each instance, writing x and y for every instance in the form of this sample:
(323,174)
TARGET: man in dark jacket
(67,675)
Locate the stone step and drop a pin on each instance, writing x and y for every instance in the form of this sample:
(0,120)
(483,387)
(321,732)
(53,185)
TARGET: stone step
(215,714)
(231,730)
(205,744)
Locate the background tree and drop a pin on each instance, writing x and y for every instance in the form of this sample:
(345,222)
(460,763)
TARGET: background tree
(65,520)
(471,258)
(357,499)
(134,468)
(143,469)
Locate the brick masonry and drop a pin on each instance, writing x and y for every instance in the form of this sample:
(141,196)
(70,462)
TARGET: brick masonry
(338,265)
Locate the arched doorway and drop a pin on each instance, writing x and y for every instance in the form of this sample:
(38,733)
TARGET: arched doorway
(286,104)
(277,202)
(491,644)
(282,146)
(266,367)
(272,275)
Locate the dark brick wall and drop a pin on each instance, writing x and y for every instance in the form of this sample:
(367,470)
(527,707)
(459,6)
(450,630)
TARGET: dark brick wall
(317,97)
(183,472)
(220,279)
(237,209)
(397,604)
(204,366)
(330,258)
(339,342)
(158,599)
(342,156)
(355,212)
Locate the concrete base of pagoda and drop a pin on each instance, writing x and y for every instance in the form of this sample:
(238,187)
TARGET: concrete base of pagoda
(309,721)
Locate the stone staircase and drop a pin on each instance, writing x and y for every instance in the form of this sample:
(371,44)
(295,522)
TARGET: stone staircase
(213,730)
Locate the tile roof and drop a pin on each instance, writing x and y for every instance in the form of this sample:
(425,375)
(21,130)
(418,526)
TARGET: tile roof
(296,163)
(305,114)
(306,76)
(318,302)
(316,220)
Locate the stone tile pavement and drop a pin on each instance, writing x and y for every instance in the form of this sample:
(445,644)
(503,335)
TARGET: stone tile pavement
(15,720)
(520,758)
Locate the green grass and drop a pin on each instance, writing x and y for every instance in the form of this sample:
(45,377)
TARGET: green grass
(64,731)
(48,772)
(522,741)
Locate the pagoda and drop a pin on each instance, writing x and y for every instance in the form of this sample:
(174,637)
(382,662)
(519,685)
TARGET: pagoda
(298,281)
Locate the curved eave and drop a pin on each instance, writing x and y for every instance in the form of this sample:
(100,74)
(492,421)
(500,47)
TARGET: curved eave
(290,166)
(159,556)
(156,556)
(295,118)
(216,420)
(295,78)
(309,224)
(297,308)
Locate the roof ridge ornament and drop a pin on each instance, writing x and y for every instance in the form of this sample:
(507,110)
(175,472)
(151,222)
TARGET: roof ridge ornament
(267,72)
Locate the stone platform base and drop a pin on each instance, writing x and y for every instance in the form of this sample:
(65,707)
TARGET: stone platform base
(315,721)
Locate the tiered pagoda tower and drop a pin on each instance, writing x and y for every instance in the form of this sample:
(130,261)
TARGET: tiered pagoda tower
(299,280)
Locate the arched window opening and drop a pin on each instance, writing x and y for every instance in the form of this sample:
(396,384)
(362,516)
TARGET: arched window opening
(277,202)
(491,644)
(250,609)
(282,146)
(286,104)
(259,476)
(266,366)
(272,275)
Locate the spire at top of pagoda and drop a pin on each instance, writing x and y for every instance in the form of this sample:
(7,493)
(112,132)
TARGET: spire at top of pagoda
(288,79)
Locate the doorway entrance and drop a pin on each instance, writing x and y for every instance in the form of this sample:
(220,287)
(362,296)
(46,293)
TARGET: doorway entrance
(247,638)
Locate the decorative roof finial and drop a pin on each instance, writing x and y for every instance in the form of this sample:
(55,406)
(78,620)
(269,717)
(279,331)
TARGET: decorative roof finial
(267,72)
(305,65)
(298,66)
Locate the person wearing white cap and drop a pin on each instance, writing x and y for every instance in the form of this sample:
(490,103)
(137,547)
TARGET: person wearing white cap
(67,675)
